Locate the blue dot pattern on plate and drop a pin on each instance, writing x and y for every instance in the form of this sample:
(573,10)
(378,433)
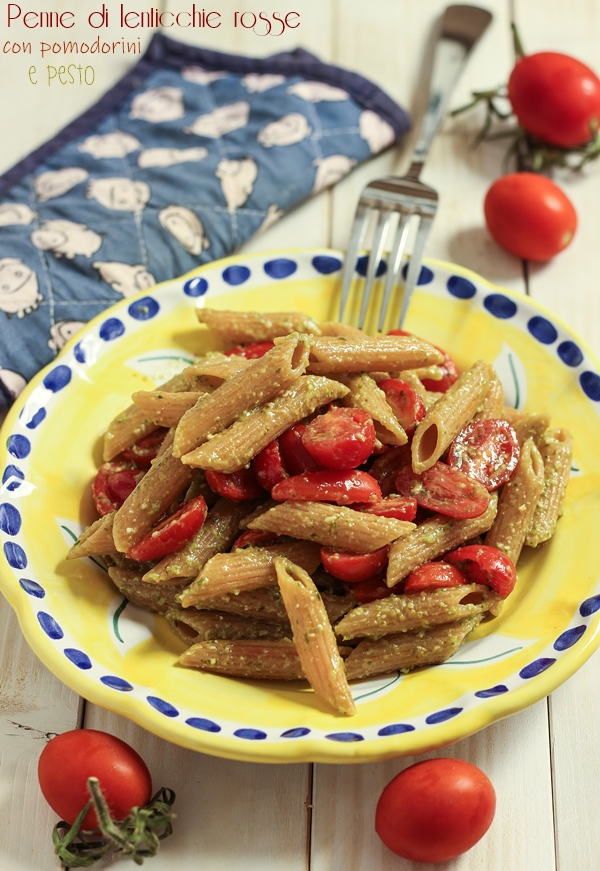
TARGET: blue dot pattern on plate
(280,268)
(569,638)
(79,353)
(116,683)
(203,724)
(461,287)
(326,265)
(235,275)
(491,692)
(345,737)
(144,309)
(590,606)
(111,329)
(15,555)
(50,626)
(590,384)
(78,658)
(12,477)
(425,275)
(542,330)
(164,707)
(395,729)
(195,287)
(37,418)
(57,378)
(362,264)
(442,716)
(299,732)
(500,306)
(18,446)
(10,519)
(250,734)
(570,353)
(536,667)
(32,588)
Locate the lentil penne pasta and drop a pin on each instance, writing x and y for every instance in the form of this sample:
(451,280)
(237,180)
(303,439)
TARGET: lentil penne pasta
(492,405)
(269,660)
(96,540)
(314,638)
(193,626)
(534,427)
(329,354)
(166,409)
(217,368)
(364,393)
(334,328)
(158,599)
(556,453)
(239,327)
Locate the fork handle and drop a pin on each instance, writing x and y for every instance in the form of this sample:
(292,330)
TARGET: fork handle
(461,28)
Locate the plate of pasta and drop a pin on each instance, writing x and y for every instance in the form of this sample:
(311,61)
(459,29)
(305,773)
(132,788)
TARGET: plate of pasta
(268,536)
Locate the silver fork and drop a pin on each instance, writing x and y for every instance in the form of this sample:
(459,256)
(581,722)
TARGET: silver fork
(413,201)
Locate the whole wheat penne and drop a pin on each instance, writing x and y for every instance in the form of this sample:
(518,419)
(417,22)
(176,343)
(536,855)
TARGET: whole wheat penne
(446,418)
(517,503)
(253,386)
(492,404)
(161,484)
(404,613)
(166,409)
(329,354)
(241,327)
(434,537)
(335,328)
(332,525)
(365,394)
(314,638)
(232,449)
(260,509)
(216,368)
(513,415)
(405,650)
(217,534)
(96,540)
(556,453)
(152,598)
(269,660)
(193,626)
(534,427)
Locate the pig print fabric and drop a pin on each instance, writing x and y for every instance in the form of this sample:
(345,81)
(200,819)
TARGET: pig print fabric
(191,154)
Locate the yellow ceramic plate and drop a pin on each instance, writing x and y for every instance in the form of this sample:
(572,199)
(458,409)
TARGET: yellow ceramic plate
(126,660)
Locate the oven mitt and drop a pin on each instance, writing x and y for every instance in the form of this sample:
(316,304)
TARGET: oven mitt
(189,155)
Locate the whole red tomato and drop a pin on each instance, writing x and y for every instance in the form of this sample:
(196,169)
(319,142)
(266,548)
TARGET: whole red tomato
(68,760)
(530,216)
(435,810)
(556,98)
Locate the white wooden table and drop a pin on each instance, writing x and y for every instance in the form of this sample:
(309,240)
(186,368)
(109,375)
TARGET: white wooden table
(545,761)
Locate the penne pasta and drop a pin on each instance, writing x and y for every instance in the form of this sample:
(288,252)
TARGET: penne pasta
(166,409)
(158,599)
(335,328)
(492,405)
(266,660)
(217,368)
(314,638)
(329,354)
(240,327)
(534,427)
(364,393)
(193,626)
(556,453)
(96,540)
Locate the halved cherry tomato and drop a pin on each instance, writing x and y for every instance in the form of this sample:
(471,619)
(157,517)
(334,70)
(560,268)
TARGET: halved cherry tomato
(172,533)
(342,438)
(251,352)
(483,564)
(487,450)
(252,537)
(397,507)
(343,488)
(268,466)
(236,486)
(369,591)
(444,490)
(400,332)
(144,451)
(388,464)
(354,567)
(430,576)
(450,372)
(121,484)
(106,499)
(406,403)
(296,458)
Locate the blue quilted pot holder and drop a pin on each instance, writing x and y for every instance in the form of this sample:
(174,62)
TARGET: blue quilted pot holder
(189,155)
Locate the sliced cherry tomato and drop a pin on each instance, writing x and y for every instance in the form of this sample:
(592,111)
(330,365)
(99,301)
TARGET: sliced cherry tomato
(430,576)
(388,464)
(449,375)
(354,567)
(296,458)
(342,438)
(145,450)
(343,488)
(483,564)
(399,332)
(487,450)
(435,810)
(369,591)
(251,352)
(444,490)
(406,403)
(252,537)
(121,484)
(172,533)
(107,500)
(236,486)
(397,507)
(268,466)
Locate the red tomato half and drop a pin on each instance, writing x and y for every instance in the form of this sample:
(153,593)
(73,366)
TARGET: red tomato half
(397,507)
(172,533)
(369,591)
(113,483)
(342,438)
(69,759)
(556,98)
(406,403)
(144,451)
(435,810)
(252,537)
(487,450)
(251,352)
(236,486)
(354,567)
(430,576)
(529,216)
(343,488)
(388,464)
(444,490)
(268,466)
(296,458)
(483,564)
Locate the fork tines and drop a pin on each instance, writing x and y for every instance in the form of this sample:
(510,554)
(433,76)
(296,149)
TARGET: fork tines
(407,198)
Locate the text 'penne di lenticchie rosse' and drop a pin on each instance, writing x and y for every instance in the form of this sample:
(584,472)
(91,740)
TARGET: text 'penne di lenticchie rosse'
(315,504)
